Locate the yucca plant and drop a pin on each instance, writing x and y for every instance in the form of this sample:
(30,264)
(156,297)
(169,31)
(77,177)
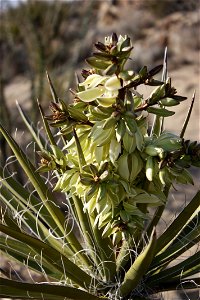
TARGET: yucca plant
(116,173)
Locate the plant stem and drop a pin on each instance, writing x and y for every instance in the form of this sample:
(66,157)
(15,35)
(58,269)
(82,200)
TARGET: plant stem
(106,252)
(86,228)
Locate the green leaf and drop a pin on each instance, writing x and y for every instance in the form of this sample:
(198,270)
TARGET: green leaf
(52,89)
(193,284)
(134,275)
(103,56)
(110,70)
(101,136)
(129,142)
(124,254)
(125,43)
(169,102)
(187,238)
(53,256)
(81,158)
(186,268)
(90,94)
(179,98)
(162,112)
(87,230)
(178,224)
(98,64)
(143,72)
(30,222)
(157,95)
(147,198)
(5,215)
(36,180)
(123,168)
(43,192)
(34,132)
(156,126)
(16,289)
(46,126)
(77,114)
(185,177)
(110,122)
(120,130)
(106,250)
(26,256)
(25,199)
(131,125)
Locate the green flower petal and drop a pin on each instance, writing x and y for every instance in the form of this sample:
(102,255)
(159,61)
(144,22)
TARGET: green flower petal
(93,81)
(106,102)
(91,94)
(113,84)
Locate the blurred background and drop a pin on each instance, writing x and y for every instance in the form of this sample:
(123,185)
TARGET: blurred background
(57,36)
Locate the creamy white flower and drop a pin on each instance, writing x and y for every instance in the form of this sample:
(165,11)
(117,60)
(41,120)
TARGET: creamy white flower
(104,89)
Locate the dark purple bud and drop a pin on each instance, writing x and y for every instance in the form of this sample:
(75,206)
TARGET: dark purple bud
(100,46)
(155,70)
(114,38)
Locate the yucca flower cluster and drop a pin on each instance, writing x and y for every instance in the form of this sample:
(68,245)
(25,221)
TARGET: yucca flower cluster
(112,165)
(111,161)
